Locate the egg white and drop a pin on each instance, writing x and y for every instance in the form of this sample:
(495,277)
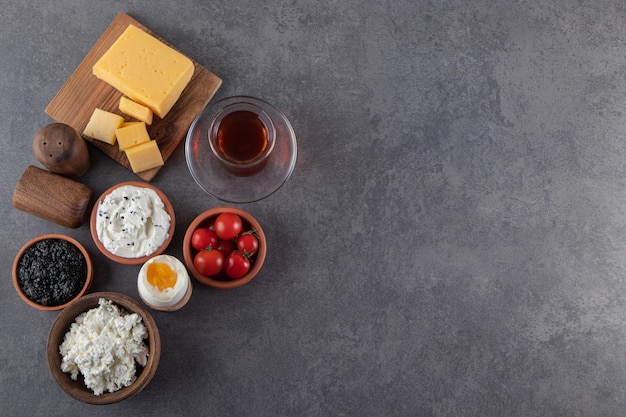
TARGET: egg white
(169,296)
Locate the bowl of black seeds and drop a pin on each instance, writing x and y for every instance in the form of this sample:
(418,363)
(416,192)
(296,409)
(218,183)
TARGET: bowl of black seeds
(51,271)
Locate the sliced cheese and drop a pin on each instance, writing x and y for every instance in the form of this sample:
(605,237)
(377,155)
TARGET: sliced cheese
(135,110)
(145,69)
(131,135)
(144,156)
(102,125)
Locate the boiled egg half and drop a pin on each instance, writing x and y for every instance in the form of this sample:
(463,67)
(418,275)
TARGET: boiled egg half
(164,283)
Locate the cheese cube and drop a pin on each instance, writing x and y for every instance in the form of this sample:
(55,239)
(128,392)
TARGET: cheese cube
(136,110)
(131,135)
(144,156)
(126,124)
(102,125)
(145,69)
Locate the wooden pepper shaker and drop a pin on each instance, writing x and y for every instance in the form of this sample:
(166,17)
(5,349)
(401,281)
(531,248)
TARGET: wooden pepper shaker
(62,150)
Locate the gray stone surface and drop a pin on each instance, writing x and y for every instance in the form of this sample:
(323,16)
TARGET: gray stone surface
(451,242)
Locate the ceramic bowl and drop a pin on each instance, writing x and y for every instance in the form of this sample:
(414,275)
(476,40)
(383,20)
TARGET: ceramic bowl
(77,389)
(142,259)
(30,243)
(223,282)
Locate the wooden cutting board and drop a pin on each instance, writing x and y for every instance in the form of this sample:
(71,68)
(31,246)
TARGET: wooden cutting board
(83,92)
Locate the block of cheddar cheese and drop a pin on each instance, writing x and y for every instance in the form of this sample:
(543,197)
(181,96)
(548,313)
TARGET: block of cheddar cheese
(145,69)
(131,135)
(144,156)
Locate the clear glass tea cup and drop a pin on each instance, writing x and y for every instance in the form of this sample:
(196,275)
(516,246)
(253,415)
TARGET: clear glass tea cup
(242,137)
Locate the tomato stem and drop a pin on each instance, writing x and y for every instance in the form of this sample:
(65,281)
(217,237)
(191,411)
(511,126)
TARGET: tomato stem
(252,231)
(245,254)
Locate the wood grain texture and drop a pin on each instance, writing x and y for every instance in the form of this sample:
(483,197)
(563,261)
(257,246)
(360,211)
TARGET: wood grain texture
(61,149)
(52,197)
(83,92)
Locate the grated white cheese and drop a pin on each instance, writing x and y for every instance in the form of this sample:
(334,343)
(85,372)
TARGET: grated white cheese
(105,344)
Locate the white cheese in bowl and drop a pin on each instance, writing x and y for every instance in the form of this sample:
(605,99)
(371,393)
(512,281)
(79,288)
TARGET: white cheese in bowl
(105,344)
(132,221)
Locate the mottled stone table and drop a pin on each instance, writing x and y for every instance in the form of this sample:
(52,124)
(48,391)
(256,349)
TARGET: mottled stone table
(451,242)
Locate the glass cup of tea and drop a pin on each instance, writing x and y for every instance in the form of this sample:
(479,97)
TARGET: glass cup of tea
(242,137)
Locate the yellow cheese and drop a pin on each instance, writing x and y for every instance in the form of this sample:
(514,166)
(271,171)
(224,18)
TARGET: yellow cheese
(145,69)
(131,135)
(125,124)
(144,156)
(102,125)
(136,110)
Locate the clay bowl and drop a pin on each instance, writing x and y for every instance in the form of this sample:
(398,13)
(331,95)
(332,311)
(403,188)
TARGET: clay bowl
(139,260)
(223,282)
(27,245)
(77,389)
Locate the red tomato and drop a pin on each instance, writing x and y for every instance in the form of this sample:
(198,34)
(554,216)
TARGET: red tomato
(202,238)
(248,243)
(209,262)
(228,225)
(237,265)
(226,247)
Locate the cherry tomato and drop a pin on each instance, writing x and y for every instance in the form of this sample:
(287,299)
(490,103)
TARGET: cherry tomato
(202,238)
(228,225)
(237,265)
(248,243)
(226,247)
(209,262)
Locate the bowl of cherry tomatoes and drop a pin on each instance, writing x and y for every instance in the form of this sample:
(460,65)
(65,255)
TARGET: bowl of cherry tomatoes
(224,247)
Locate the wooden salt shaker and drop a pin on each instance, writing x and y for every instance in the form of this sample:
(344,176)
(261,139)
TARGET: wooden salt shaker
(52,197)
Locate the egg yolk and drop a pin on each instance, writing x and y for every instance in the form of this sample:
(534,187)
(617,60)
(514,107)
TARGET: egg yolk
(161,276)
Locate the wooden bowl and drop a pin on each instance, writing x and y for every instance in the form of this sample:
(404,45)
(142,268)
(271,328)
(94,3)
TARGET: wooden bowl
(224,283)
(140,260)
(77,389)
(18,257)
